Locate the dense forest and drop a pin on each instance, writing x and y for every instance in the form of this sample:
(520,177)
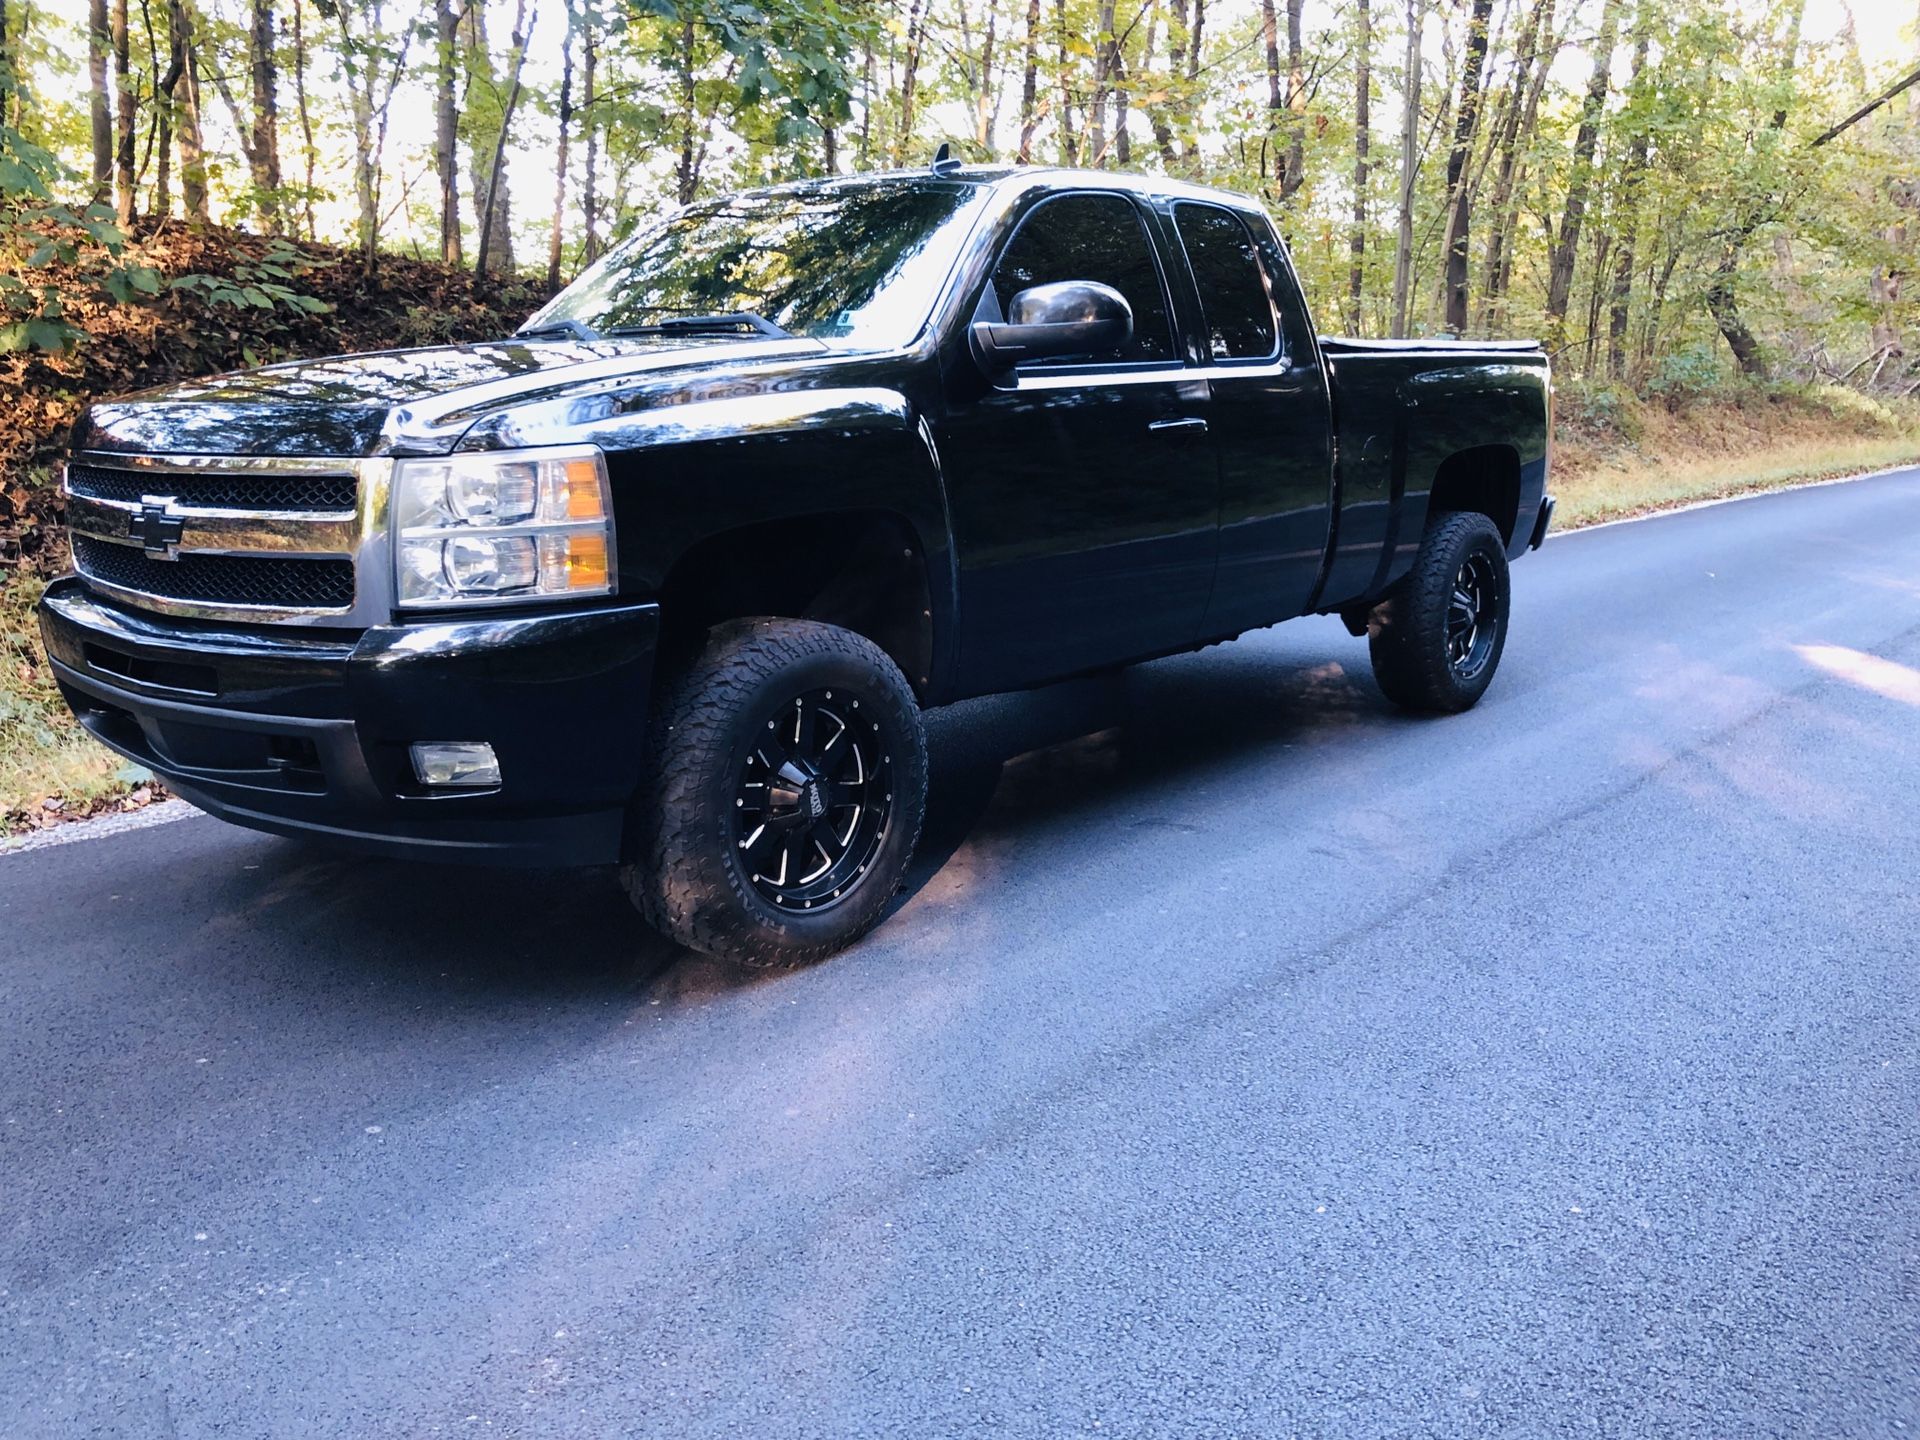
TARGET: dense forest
(1663,190)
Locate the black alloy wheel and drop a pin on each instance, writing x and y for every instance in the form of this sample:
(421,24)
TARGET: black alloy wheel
(814,799)
(1472,625)
(788,780)
(1436,637)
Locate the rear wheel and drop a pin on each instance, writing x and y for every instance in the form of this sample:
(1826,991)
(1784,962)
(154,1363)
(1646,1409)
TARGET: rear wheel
(790,778)
(1437,637)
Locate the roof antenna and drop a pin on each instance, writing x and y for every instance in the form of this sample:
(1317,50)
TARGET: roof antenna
(943,161)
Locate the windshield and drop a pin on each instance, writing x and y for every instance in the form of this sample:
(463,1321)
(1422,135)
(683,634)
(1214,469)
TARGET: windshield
(855,262)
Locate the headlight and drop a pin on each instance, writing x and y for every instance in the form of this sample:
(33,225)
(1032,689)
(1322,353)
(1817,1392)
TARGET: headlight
(506,525)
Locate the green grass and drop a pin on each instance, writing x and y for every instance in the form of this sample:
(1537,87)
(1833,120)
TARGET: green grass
(1613,493)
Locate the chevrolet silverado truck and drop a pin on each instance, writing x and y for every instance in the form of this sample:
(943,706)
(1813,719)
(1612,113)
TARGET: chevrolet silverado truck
(665,579)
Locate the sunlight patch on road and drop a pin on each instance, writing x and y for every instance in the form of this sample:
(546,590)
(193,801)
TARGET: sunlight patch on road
(1870,672)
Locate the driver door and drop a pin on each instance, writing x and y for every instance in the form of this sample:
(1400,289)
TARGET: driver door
(1085,493)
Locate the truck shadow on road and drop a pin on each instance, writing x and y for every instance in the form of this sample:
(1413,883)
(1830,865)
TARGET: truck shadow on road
(1001,769)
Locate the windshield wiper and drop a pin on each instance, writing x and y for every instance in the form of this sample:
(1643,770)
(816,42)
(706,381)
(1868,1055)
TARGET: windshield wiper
(719,323)
(558,329)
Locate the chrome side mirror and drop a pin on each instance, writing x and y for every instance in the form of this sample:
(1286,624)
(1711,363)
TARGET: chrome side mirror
(1067,317)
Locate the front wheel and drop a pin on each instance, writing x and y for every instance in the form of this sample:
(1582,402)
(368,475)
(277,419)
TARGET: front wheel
(1437,637)
(790,775)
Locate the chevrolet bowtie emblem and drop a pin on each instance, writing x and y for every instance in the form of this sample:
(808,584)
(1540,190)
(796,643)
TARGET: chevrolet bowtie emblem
(155,528)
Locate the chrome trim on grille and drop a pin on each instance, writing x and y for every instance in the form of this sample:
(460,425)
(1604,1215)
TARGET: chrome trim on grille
(357,535)
(290,535)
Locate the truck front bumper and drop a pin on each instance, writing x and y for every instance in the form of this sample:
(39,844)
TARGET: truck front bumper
(308,734)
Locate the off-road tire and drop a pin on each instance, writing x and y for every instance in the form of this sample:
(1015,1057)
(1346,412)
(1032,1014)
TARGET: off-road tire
(688,879)
(1407,632)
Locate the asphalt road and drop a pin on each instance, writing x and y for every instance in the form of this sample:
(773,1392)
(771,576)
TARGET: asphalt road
(1249,1060)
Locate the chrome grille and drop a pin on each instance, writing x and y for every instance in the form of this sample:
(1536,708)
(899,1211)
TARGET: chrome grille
(218,579)
(264,539)
(217,489)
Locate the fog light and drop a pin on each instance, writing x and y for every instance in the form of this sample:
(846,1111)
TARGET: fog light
(455,762)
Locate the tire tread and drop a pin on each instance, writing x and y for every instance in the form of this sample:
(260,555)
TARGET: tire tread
(682,881)
(1407,631)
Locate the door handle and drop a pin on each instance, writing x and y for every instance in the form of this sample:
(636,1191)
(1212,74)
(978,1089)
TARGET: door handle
(1187,427)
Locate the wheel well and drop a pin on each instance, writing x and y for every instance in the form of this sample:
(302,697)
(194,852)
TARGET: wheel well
(1485,479)
(861,570)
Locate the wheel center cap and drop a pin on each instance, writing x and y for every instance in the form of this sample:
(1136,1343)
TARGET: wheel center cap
(814,799)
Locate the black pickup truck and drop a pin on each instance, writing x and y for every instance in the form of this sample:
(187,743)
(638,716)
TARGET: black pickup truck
(665,579)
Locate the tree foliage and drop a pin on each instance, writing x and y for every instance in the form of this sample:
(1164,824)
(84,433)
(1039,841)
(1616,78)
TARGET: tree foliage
(1648,184)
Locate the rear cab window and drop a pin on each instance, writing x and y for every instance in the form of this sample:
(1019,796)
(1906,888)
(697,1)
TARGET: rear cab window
(1237,309)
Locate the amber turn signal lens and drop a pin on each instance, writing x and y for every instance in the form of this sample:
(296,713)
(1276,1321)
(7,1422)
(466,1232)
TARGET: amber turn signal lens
(586,562)
(583,491)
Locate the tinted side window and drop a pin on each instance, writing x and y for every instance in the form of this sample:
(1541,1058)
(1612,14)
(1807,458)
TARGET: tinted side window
(1233,294)
(1091,237)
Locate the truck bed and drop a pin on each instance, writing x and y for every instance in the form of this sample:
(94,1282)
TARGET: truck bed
(1402,408)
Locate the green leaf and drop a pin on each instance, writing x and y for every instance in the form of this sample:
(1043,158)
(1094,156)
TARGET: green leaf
(53,335)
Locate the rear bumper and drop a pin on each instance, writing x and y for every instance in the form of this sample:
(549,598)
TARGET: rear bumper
(307,734)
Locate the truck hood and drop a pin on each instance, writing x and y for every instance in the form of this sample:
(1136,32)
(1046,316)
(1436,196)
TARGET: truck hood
(411,400)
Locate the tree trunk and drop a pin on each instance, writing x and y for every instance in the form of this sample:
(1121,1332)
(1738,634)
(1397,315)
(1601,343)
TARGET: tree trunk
(560,150)
(1409,161)
(496,181)
(1650,336)
(1270,54)
(1029,84)
(446,127)
(1566,248)
(483,139)
(866,102)
(983,115)
(1362,138)
(686,176)
(9,68)
(99,101)
(306,115)
(1883,293)
(1517,121)
(123,206)
(1621,298)
(590,182)
(193,163)
(1459,192)
(165,103)
(1069,141)
(908,81)
(1105,44)
(1723,302)
(1725,310)
(360,91)
(1596,294)
(1190,143)
(264,151)
(155,105)
(1157,116)
(1293,171)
